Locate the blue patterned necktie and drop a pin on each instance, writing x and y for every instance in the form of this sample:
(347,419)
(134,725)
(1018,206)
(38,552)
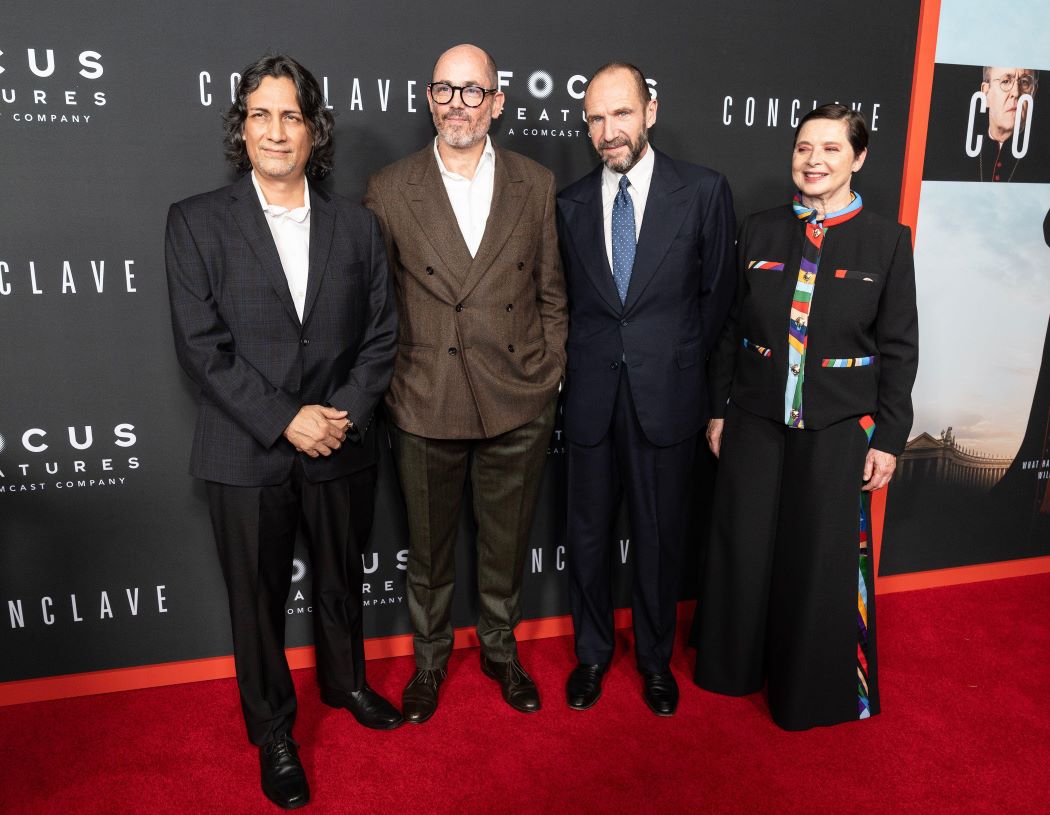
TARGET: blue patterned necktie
(623,238)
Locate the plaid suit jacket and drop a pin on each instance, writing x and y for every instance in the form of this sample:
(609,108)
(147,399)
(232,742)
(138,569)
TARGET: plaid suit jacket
(481,349)
(239,338)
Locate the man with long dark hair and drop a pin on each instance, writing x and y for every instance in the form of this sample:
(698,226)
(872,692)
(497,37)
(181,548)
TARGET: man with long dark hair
(284,317)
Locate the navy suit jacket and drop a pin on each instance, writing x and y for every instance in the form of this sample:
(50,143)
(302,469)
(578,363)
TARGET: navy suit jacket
(682,285)
(239,338)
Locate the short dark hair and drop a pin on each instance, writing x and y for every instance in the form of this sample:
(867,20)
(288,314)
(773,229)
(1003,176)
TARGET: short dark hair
(644,93)
(318,118)
(856,126)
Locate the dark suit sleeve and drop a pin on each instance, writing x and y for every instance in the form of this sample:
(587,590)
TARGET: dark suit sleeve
(206,348)
(722,364)
(897,338)
(551,299)
(374,364)
(717,261)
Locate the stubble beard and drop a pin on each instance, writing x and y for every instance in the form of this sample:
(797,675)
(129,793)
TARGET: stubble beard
(634,152)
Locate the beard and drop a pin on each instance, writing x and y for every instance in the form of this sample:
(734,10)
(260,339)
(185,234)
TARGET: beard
(630,158)
(457,130)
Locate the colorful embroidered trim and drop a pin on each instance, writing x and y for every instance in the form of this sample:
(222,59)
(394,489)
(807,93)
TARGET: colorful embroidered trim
(798,325)
(766,264)
(864,592)
(760,349)
(853,362)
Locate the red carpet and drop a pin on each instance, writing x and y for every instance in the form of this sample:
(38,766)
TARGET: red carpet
(964,730)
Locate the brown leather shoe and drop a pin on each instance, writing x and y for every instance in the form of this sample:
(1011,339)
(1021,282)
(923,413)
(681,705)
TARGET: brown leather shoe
(419,700)
(519,691)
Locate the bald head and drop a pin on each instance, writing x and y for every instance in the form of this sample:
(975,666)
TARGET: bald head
(471,58)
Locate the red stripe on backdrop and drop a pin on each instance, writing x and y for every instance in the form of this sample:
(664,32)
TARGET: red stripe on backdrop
(198,670)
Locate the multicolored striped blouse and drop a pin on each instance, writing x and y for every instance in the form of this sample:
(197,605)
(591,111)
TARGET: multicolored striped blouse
(803,298)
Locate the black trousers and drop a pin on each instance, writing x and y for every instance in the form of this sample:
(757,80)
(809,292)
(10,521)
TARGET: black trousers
(504,473)
(655,481)
(780,597)
(255,530)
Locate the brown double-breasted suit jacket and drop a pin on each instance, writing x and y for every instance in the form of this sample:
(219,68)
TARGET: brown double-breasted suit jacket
(481,345)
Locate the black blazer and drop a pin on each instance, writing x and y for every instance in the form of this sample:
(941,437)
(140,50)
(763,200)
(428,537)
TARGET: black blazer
(863,306)
(681,288)
(239,338)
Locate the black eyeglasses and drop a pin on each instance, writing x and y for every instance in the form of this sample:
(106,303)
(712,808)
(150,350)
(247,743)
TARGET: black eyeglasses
(472,95)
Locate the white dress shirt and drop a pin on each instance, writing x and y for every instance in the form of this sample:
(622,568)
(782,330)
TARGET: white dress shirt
(471,198)
(640,176)
(291,232)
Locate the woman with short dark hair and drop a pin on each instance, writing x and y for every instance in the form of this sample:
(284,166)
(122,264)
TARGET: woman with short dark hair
(811,384)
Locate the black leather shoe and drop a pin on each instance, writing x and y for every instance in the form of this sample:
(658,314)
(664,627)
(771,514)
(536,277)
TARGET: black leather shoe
(584,687)
(283,778)
(660,692)
(519,691)
(419,699)
(367,706)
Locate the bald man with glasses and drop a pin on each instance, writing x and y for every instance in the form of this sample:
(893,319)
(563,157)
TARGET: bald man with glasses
(473,251)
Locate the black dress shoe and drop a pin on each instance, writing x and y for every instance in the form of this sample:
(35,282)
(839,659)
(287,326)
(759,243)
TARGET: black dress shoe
(419,699)
(585,685)
(283,778)
(519,691)
(660,691)
(367,706)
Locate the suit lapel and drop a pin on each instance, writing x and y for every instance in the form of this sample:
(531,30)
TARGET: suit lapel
(665,209)
(252,222)
(509,191)
(322,225)
(425,195)
(588,229)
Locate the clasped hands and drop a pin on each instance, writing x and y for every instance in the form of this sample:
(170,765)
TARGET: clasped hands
(878,466)
(318,430)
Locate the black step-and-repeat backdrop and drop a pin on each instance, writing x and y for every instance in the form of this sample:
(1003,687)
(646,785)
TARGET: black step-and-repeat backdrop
(107,116)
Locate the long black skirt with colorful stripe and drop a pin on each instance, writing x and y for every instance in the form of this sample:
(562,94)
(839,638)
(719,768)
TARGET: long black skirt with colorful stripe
(786,597)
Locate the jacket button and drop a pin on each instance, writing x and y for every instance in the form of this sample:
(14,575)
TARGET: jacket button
(510,348)
(624,323)
(452,352)
(304,341)
(510,307)
(459,306)
(521,265)
(613,366)
(430,270)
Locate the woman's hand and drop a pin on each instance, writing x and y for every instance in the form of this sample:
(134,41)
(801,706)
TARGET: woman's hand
(714,434)
(878,469)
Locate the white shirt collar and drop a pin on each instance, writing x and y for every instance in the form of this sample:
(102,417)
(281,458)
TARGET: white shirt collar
(488,154)
(640,175)
(299,214)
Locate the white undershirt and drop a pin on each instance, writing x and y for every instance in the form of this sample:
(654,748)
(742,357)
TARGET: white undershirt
(640,177)
(471,198)
(291,232)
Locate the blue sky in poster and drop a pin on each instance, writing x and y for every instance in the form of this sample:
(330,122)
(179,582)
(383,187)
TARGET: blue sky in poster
(1011,32)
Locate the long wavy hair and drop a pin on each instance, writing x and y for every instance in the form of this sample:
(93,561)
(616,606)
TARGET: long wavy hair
(318,119)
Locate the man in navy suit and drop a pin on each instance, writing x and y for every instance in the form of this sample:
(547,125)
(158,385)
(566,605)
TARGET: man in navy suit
(647,243)
(284,317)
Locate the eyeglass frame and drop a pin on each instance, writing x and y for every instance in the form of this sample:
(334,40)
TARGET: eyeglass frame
(1015,80)
(484,92)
